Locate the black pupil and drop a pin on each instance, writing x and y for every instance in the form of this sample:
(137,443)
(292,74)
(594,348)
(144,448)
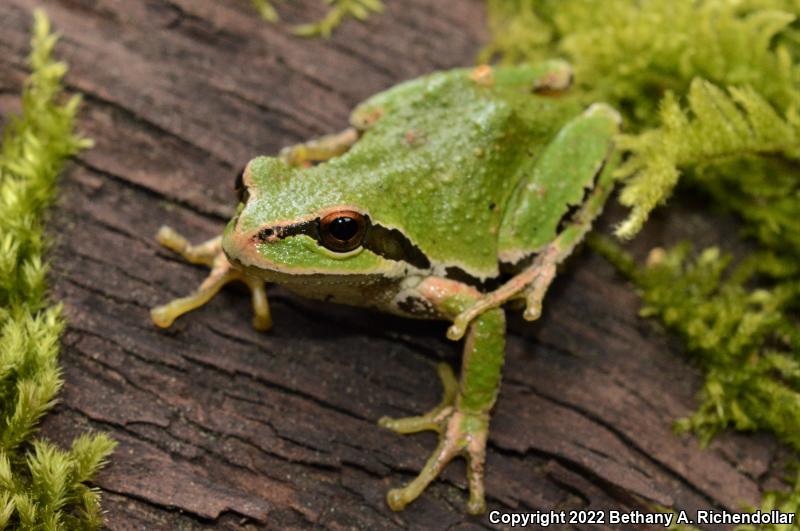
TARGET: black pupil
(343,229)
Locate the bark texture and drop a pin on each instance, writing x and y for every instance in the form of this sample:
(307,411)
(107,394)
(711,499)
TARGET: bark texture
(223,427)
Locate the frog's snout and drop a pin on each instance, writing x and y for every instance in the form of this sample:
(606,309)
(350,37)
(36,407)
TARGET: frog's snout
(240,247)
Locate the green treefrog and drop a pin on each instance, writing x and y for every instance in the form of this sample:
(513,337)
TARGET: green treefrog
(448,196)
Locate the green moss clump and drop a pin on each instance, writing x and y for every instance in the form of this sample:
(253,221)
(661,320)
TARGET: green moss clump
(744,338)
(644,56)
(41,486)
(710,91)
(339,11)
(631,52)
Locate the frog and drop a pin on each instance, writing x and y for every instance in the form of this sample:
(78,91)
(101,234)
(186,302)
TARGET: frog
(453,196)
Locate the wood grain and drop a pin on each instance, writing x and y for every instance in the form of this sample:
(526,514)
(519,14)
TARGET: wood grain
(224,427)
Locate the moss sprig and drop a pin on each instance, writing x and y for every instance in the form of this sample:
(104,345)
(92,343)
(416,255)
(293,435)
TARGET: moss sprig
(717,127)
(338,11)
(41,486)
(745,339)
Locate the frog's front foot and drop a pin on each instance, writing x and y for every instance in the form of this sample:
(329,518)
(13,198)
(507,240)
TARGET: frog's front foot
(460,434)
(222,272)
(531,284)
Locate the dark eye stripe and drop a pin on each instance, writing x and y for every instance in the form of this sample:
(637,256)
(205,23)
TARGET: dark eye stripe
(388,243)
(309,228)
(484,286)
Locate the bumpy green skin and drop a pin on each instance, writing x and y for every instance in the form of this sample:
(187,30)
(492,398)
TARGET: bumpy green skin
(483,357)
(475,172)
(460,168)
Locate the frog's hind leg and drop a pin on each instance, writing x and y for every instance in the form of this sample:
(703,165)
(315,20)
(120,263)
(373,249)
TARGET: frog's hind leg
(320,149)
(462,418)
(210,254)
(531,283)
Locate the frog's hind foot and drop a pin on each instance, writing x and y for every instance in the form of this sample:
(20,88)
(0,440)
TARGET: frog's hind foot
(432,420)
(460,434)
(210,254)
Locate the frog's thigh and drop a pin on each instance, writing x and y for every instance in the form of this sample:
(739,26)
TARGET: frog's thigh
(567,168)
(320,149)
(571,172)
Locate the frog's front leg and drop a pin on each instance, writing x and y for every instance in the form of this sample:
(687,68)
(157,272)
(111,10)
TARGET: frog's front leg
(210,254)
(462,418)
(320,149)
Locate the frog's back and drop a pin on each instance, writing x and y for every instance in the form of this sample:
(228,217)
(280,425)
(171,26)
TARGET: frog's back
(443,157)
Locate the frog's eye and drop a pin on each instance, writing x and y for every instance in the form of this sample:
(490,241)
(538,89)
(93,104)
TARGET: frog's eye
(240,188)
(342,231)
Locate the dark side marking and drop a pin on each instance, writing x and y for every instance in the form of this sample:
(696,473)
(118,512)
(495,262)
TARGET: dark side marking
(417,306)
(569,215)
(392,244)
(388,243)
(459,275)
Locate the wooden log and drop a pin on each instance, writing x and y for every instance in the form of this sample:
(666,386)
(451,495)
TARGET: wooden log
(222,426)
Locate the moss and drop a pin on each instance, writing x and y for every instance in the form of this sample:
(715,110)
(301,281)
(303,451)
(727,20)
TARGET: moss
(787,502)
(745,339)
(645,57)
(41,486)
(719,127)
(338,11)
(710,90)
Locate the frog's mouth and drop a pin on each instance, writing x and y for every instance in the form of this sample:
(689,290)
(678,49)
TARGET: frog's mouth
(310,279)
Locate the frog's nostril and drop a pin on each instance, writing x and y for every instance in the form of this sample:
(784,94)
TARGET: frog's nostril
(266,234)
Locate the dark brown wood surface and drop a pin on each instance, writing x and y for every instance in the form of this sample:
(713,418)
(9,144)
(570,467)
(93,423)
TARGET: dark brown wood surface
(221,426)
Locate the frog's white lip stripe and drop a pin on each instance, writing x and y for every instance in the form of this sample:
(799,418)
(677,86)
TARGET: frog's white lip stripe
(288,275)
